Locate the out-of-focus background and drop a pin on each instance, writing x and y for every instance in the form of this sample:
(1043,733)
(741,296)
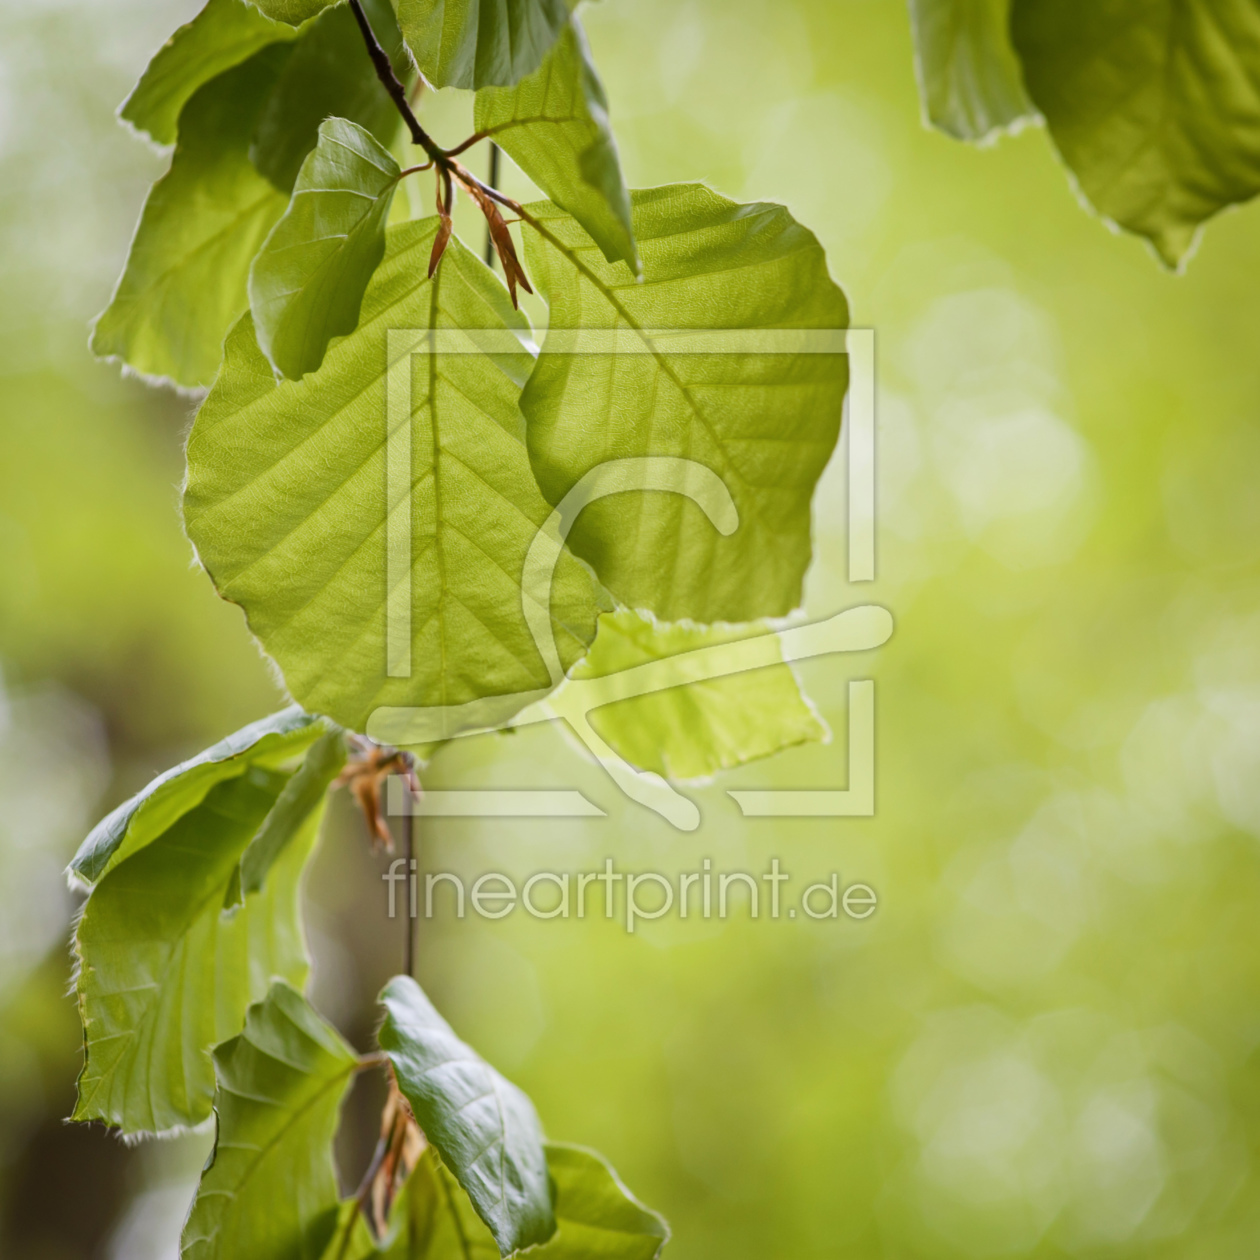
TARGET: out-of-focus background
(1044,1043)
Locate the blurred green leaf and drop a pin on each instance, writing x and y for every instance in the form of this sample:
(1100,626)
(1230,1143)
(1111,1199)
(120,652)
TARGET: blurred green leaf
(765,423)
(164,973)
(307,283)
(301,545)
(329,75)
(269,1189)
(432,1219)
(597,1218)
(185,280)
(692,731)
(139,821)
(222,35)
(969,77)
(484,1128)
(1155,108)
(554,124)
(480,43)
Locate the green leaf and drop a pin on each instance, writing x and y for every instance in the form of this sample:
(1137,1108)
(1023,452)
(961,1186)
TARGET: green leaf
(307,283)
(695,730)
(969,77)
(432,1219)
(480,43)
(204,220)
(222,35)
(140,820)
(485,1129)
(597,1218)
(242,137)
(765,423)
(285,502)
(329,75)
(554,124)
(294,12)
(165,973)
(1155,108)
(269,1189)
(303,795)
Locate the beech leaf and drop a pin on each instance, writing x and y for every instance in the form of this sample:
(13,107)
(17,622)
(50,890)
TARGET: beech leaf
(329,75)
(1155,108)
(184,284)
(167,959)
(695,730)
(269,1189)
(286,504)
(483,1126)
(307,283)
(480,43)
(222,35)
(139,821)
(970,80)
(764,421)
(597,1218)
(554,125)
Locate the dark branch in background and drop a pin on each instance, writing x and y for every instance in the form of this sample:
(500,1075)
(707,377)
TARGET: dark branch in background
(409,780)
(409,852)
(492,182)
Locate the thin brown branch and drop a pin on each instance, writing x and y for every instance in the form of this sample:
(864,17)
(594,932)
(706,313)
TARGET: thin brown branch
(476,138)
(447,168)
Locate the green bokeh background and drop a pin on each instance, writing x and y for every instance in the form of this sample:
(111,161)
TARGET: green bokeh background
(1044,1041)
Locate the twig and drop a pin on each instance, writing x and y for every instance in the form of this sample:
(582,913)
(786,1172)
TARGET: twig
(475,138)
(409,945)
(443,159)
(392,84)
(492,182)
(447,169)
(411,795)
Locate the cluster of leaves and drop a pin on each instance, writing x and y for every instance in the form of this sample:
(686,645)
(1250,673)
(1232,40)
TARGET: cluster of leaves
(272,261)
(190,960)
(1154,107)
(269,267)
